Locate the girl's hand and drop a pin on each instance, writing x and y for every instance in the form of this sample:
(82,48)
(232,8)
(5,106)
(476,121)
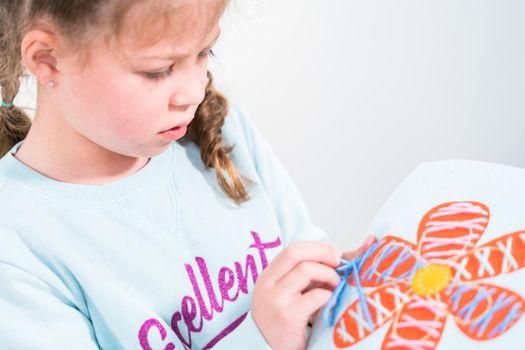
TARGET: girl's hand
(350,255)
(283,297)
(294,286)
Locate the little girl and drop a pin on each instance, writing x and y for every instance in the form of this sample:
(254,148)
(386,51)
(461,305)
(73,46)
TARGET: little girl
(113,236)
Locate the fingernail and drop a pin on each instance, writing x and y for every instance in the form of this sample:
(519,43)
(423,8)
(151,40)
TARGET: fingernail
(371,239)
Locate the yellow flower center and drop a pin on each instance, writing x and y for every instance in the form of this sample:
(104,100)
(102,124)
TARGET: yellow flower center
(431,279)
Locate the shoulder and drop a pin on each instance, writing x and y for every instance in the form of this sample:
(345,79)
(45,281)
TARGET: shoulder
(11,194)
(239,131)
(3,175)
(3,183)
(237,124)
(19,211)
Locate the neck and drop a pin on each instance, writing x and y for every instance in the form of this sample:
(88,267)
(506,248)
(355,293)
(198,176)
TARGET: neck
(57,151)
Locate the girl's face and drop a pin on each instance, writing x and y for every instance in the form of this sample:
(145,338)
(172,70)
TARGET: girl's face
(130,91)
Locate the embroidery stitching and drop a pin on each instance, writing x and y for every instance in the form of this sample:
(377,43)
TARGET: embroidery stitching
(418,287)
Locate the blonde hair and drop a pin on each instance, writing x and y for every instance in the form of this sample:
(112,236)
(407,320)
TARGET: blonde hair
(79,22)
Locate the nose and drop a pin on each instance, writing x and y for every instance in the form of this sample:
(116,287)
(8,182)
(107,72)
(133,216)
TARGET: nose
(189,87)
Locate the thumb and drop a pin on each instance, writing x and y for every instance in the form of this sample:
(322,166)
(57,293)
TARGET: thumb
(354,254)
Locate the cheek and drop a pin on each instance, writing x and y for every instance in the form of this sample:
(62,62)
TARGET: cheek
(122,116)
(131,118)
(111,106)
(130,107)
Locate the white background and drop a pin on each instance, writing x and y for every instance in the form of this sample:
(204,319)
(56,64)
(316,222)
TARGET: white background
(354,94)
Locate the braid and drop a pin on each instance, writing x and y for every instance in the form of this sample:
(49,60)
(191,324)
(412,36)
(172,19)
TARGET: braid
(14,122)
(205,131)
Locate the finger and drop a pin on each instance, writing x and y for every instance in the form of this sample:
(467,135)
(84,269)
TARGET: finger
(314,284)
(354,254)
(312,317)
(309,303)
(303,275)
(298,252)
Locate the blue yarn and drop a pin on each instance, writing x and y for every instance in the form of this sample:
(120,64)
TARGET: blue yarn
(362,300)
(466,312)
(511,316)
(403,256)
(482,322)
(331,309)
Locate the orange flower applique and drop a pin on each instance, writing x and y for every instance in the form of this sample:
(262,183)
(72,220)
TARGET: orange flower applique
(418,286)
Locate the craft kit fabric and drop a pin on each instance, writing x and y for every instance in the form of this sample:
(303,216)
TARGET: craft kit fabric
(447,271)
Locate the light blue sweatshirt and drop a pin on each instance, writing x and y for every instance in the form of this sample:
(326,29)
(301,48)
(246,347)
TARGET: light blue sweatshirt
(160,259)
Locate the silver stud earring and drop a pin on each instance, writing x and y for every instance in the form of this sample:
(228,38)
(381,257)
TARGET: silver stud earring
(51,83)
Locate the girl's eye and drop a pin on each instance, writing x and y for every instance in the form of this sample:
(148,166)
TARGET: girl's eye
(159,75)
(206,54)
(167,73)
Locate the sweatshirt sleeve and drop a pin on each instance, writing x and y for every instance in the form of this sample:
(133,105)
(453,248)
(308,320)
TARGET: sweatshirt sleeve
(288,204)
(33,315)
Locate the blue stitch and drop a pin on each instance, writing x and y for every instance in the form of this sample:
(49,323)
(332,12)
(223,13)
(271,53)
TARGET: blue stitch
(453,284)
(331,308)
(484,320)
(401,258)
(513,314)
(368,274)
(480,296)
(462,289)
(384,254)
(361,261)
(361,295)
(410,273)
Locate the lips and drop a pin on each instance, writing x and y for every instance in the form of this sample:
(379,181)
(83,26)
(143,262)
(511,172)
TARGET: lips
(178,126)
(174,133)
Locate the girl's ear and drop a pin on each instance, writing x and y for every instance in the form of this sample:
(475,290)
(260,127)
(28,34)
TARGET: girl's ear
(40,51)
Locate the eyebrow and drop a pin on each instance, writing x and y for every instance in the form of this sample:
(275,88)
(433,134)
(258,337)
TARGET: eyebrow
(172,57)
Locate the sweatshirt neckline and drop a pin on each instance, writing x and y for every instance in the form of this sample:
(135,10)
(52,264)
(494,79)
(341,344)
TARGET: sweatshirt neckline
(96,194)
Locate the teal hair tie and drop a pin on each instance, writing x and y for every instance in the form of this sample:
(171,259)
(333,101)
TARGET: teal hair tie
(7,104)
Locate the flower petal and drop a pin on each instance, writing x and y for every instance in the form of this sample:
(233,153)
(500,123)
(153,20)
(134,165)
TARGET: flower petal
(390,259)
(501,255)
(484,311)
(418,326)
(451,229)
(381,304)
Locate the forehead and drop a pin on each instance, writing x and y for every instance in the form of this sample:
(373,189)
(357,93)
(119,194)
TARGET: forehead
(178,26)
